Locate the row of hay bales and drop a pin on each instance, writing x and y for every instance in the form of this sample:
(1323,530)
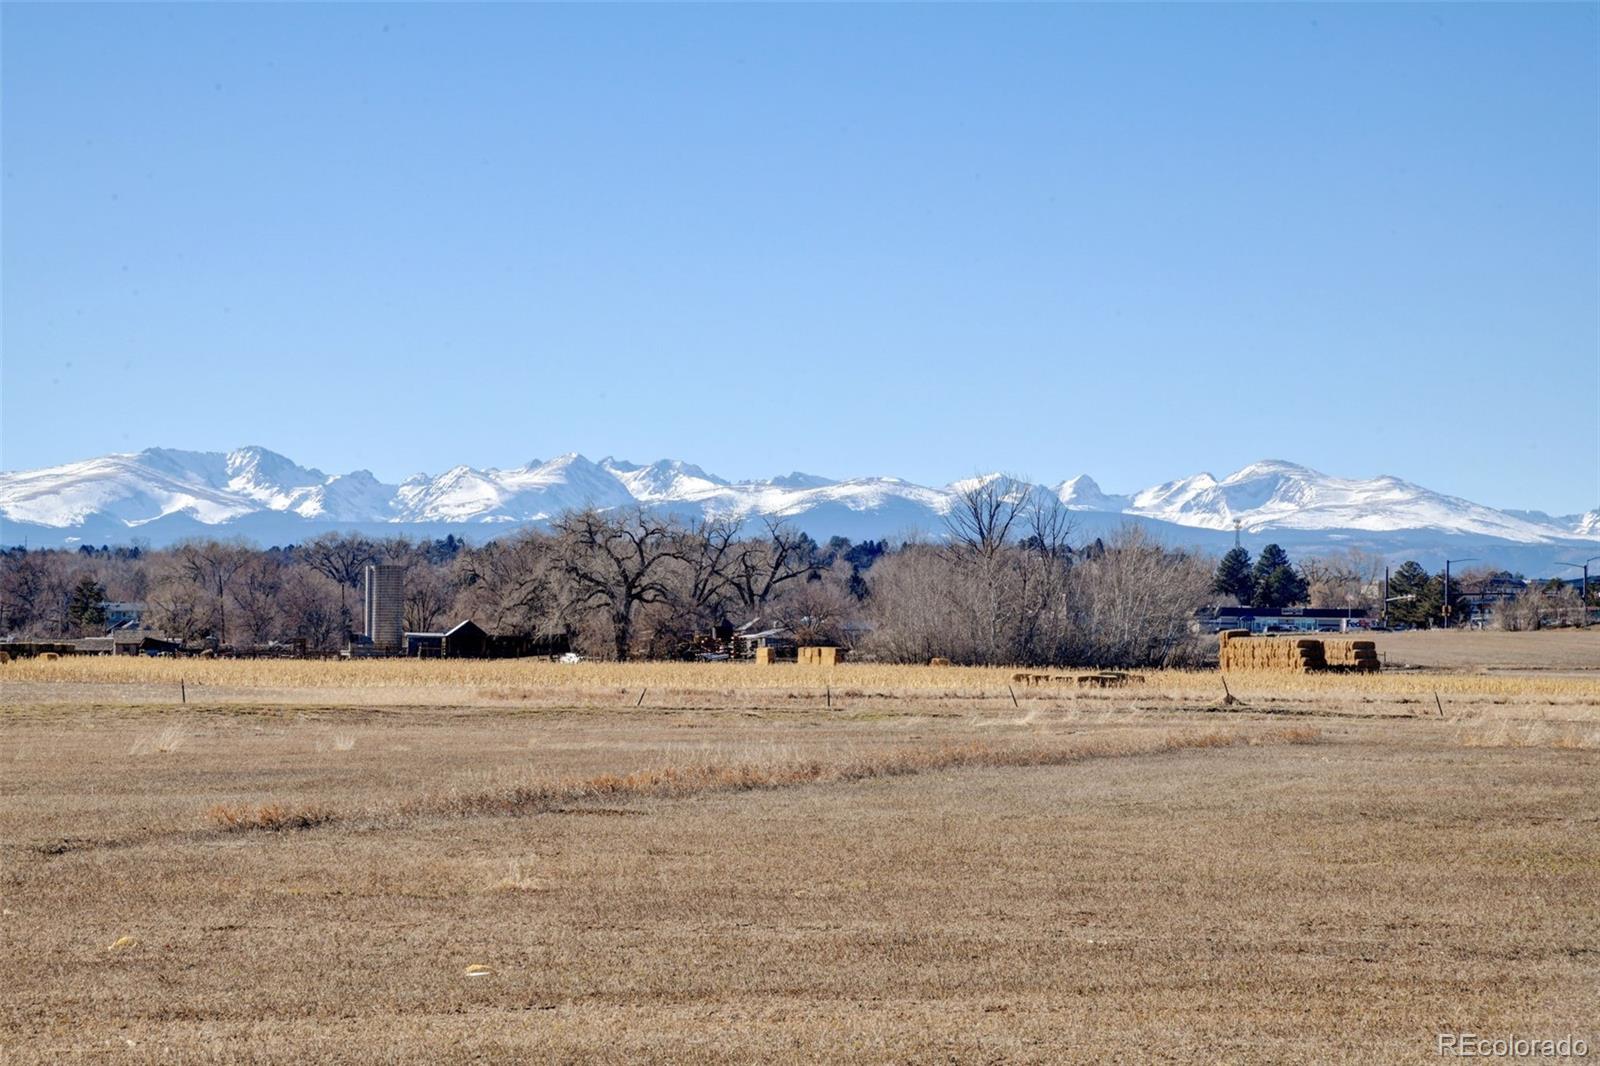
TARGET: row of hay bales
(1100,679)
(804,656)
(1237,650)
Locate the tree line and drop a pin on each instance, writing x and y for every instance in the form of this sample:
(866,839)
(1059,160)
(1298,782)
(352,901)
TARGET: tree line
(1354,579)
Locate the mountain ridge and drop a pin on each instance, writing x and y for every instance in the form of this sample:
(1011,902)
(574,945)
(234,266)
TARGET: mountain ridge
(166,488)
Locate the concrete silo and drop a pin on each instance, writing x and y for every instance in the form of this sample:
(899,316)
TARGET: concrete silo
(385,606)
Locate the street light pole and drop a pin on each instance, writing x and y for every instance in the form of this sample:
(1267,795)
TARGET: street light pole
(1447,562)
(1583,596)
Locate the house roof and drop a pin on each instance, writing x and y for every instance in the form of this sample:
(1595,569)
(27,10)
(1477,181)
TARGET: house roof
(459,626)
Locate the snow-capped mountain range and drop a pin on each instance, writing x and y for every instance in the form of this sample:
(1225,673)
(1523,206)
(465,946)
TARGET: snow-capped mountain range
(160,495)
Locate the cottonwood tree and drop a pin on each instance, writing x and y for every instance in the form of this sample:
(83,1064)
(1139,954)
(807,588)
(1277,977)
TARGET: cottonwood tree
(708,551)
(213,565)
(177,607)
(618,564)
(24,584)
(1348,579)
(255,597)
(342,558)
(818,609)
(1046,565)
(761,567)
(514,585)
(978,531)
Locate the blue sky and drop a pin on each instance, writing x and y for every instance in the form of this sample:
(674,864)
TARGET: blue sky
(1134,241)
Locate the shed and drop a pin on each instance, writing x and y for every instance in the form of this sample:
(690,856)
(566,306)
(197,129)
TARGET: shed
(423,645)
(466,641)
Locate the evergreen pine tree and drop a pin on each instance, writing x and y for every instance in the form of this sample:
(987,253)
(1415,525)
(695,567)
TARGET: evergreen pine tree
(1277,582)
(1233,577)
(1412,580)
(86,606)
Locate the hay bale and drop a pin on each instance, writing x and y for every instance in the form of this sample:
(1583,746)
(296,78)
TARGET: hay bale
(765,657)
(1108,679)
(49,656)
(938,661)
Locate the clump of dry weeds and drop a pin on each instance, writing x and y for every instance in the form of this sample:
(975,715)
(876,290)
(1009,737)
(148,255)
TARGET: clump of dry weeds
(1294,734)
(677,782)
(267,817)
(168,740)
(684,781)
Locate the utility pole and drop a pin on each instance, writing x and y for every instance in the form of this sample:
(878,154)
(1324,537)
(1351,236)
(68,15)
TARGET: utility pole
(1583,595)
(1386,597)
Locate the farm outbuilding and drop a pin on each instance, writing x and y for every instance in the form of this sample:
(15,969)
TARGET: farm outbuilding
(467,640)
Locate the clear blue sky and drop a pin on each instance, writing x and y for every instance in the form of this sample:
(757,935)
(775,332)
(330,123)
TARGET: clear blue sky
(1131,241)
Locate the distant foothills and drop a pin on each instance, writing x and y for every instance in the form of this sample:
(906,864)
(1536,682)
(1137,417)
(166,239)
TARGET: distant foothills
(160,496)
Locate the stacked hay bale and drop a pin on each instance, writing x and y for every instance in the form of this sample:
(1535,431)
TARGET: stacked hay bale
(1298,655)
(820,656)
(764,657)
(1285,655)
(1358,656)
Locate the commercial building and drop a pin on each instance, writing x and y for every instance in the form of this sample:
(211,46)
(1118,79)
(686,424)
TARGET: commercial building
(1284,619)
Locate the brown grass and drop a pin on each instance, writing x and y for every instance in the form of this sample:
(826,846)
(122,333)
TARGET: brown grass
(434,682)
(1500,733)
(267,817)
(754,877)
(680,782)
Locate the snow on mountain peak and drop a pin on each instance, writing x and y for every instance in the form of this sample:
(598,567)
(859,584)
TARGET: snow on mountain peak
(1083,493)
(215,488)
(665,479)
(798,480)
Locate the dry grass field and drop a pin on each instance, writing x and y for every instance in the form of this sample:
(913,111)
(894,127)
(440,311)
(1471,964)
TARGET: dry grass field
(1556,649)
(445,862)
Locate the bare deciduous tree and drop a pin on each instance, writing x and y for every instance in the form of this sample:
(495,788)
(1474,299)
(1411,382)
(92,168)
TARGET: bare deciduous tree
(759,569)
(342,558)
(618,564)
(255,597)
(213,565)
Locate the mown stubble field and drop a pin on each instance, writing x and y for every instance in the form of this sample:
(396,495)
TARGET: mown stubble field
(867,865)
